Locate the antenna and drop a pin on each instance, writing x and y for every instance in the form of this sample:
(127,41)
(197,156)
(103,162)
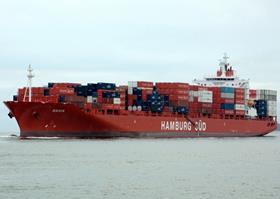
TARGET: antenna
(30,76)
(225,57)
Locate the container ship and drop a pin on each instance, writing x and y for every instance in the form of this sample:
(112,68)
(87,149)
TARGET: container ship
(220,105)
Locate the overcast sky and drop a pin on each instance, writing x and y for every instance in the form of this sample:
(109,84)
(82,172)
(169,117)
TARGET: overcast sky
(116,41)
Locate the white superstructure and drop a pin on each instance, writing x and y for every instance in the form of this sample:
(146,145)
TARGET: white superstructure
(225,77)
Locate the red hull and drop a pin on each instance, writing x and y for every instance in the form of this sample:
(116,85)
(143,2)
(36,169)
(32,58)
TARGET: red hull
(37,119)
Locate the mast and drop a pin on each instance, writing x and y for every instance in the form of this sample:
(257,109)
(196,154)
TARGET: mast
(30,76)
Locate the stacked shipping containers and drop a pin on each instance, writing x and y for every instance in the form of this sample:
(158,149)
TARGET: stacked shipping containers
(227,103)
(39,94)
(137,95)
(239,100)
(140,96)
(266,103)
(176,96)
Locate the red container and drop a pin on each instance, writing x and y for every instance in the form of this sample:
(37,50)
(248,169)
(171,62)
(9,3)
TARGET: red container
(143,84)
(111,106)
(179,103)
(224,101)
(238,101)
(178,97)
(194,87)
(239,91)
(99,93)
(239,112)
(239,96)
(75,98)
(168,85)
(216,106)
(122,89)
(145,94)
(61,91)
(175,91)
(253,94)
(214,89)
(228,112)
(206,105)
(65,85)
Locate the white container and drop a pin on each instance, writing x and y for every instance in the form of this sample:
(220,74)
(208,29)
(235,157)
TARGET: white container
(227,95)
(89,99)
(272,111)
(130,90)
(205,93)
(191,93)
(195,93)
(191,98)
(272,104)
(117,101)
(129,108)
(139,108)
(240,107)
(132,84)
(205,99)
(252,112)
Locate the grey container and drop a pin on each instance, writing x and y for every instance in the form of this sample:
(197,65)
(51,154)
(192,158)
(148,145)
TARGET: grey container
(227,95)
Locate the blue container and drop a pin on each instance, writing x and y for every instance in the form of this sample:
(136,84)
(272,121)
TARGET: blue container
(261,106)
(94,94)
(139,97)
(108,94)
(106,86)
(91,88)
(15,98)
(262,113)
(81,90)
(138,103)
(114,95)
(182,110)
(145,108)
(46,92)
(155,92)
(227,106)
(50,84)
(61,98)
(137,91)
(227,90)
(261,103)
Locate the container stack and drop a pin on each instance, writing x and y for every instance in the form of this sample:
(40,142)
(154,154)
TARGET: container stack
(176,95)
(39,94)
(193,100)
(269,106)
(155,102)
(122,90)
(164,97)
(227,96)
(137,95)
(110,99)
(239,101)
(261,106)
(205,101)
(61,89)
(217,100)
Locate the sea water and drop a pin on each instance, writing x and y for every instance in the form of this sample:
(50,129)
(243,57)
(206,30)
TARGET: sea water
(140,168)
